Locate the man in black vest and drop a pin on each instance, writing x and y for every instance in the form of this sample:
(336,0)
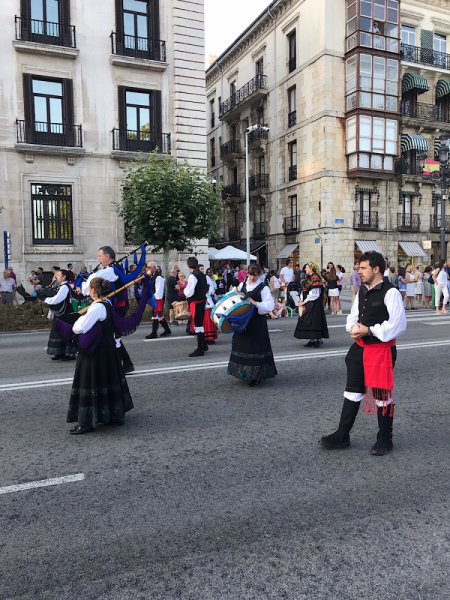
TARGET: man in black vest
(377,318)
(157,285)
(195,293)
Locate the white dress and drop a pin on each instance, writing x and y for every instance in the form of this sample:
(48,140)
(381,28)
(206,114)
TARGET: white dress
(419,284)
(410,285)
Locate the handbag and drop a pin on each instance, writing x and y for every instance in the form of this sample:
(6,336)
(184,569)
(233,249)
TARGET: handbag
(431,280)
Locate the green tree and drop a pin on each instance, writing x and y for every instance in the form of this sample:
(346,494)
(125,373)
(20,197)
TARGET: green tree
(168,204)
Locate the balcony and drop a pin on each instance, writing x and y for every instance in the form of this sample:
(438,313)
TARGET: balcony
(45,32)
(424,112)
(49,134)
(251,91)
(258,182)
(127,140)
(230,150)
(258,136)
(260,229)
(425,56)
(140,52)
(369,40)
(408,222)
(365,220)
(231,191)
(435,223)
(405,166)
(234,233)
(292,118)
(291,224)
(292,64)
(293,173)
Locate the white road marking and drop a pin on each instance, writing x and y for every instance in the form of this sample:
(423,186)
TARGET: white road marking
(191,337)
(312,355)
(31,485)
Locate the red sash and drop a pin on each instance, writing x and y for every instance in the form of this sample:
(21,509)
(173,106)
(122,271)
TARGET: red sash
(378,374)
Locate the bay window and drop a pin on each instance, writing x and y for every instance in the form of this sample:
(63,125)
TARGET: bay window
(372,142)
(377,22)
(378,82)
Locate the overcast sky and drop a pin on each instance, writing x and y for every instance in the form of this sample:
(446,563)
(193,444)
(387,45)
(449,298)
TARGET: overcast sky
(226,19)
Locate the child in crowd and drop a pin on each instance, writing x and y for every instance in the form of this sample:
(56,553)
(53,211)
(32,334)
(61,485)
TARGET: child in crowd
(279,310)
(221,285)
(33,277)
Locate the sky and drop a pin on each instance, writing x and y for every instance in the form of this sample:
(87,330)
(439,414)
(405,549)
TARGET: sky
(226,20)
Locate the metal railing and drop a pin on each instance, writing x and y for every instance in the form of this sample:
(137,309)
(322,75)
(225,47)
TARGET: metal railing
(291,224)
(408,221)
(424,56)
(435,223)
(234,233)
(257,83)
(293,173)
(422,110)
(406,166)
(138,47)
(258,182)
(140,141)
(292,118)
(365,219)
(260,229)
(231,191)
(45,32)
(258,134)
(49,134)
(292,64)
(230,148)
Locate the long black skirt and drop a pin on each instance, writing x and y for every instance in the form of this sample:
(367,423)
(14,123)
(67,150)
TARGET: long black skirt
(313,325)
(100,391)
(58,345)
(251,357)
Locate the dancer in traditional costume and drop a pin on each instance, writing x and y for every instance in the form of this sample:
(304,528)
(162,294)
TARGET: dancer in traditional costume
(60,304)
(208,324)
(157,285)
(251,355)
(377,318)
(195,293)
(113,273)
(312,325)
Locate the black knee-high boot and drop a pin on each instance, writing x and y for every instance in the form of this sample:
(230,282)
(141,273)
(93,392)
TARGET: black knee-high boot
(154,334)
(200,344)
(341,437)
(128,366)
(166,328)
(384,444)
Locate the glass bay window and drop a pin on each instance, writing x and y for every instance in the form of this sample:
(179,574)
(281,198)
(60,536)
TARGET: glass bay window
(378,82)
(372,142)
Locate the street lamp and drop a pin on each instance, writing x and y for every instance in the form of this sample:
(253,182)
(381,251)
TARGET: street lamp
(443,159)
(247,187)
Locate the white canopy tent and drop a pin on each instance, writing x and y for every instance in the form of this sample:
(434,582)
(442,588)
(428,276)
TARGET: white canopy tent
(212,253)
(232,253)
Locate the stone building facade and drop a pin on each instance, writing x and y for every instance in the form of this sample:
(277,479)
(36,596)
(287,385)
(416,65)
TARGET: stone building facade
(85,87)
(336,82)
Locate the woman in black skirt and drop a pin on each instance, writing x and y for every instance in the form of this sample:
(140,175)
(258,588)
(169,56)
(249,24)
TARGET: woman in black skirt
(58,347)
(251,355)
(312,325)
(100,392)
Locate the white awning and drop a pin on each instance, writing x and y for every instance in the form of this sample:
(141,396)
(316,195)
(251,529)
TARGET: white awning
(287,251)
(413,249)
(367,246)
(212,252)
(232,253)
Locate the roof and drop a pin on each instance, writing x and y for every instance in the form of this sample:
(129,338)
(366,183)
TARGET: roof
(442,88)
(367,246)
(414,81)
(413,249)
(413,141)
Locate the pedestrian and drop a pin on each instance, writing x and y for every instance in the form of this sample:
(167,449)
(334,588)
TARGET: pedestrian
(333,291)
(286,276)
(376,319)
(410,287)
(355,281)
(392,277)
(402,282)
(221,286)
(195,292)
(7,288)
(312,323)
(58,347)
(172,295)
(181,286)
(275,285)
(54,281)
(440,278)
(12,274)
(427,286)
(419,285)
(157,286)
(242,274)
(251,357)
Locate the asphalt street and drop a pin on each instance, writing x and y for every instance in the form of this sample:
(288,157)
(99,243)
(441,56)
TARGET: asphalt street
(213,490)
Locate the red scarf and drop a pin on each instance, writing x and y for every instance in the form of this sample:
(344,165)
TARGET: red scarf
(378,375)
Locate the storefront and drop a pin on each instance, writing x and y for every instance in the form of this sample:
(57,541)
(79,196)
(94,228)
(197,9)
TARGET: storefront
(411,253)
(362,246)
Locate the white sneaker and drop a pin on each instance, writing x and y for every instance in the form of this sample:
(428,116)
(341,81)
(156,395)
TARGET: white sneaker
(339,312)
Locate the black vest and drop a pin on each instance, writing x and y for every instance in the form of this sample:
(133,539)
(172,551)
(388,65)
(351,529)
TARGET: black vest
(153,279)
(201,287)
(65,306)
(254,295)
(372,309)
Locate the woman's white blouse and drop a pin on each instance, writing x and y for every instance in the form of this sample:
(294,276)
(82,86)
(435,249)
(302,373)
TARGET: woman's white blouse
(96,312)
(60,296)
(313,294)
(267,304)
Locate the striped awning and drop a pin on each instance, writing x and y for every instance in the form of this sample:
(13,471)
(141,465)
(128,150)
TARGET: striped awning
(287,251)
(367,246)
(413,141)
(442,88)
(413,81)
(413,249)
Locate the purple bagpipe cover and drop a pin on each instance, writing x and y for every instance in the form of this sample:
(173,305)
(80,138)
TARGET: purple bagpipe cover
(128,325)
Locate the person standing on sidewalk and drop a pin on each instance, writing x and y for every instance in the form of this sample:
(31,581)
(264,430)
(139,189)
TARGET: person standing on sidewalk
(377,318)
(440,278)
(7,288)
(286,276)
(157,286)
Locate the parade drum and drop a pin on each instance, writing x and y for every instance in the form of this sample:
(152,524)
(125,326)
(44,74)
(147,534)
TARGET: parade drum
(182,312)
(230,305)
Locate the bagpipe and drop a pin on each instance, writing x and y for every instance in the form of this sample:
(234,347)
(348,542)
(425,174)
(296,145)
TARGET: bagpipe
(47,292)
(124,266)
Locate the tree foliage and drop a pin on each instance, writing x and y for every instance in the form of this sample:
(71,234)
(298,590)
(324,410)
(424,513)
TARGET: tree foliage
(167,204)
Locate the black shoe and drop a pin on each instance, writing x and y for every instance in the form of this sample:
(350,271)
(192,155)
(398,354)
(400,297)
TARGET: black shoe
(318,343)
(253,382)
(196,353)
(57,357)
(341,437)
(382,447)
(154,333)
(384,444)
(152,336)
(335,440)
(116,423)
(69,357)
(165,334)
(166,329)
(205,348)
(310,344)
(79,430)
(129,369)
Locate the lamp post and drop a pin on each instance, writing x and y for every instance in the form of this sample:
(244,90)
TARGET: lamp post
(443,159)
(247,188)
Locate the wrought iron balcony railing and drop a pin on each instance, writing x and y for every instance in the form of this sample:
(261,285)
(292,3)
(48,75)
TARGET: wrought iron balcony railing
(231,191)
(408,222)
(365,219)
(138,47)
(405,166)
(424,56)
(234,233)
(435,223)
(45,32)
(292,118)
(292,64)
(291,224)
(129,140)
(258,182)
(260,229)
(293,173)
(230,148)
(258,134)
(257,83)
(427,112)
(49,134)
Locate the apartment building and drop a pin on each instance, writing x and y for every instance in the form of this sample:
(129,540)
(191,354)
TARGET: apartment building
(349,159)
(85,87)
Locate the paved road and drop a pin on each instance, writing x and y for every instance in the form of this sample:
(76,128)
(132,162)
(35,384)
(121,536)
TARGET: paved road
(214,490)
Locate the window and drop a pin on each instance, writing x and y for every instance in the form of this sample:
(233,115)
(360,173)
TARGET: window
(259,67)
(352,19)
(440,49)
(212,149)
(292,51)
(292,112)
(261,165)
(211,111)
(259,117)
(52,213)
(408,35)
(234,175)
(47,22)
(262,213)
(368,140)
(378,23)
(140,119)
(378,82)
(137,23)
(293,206)
(292,149)
(233,88)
